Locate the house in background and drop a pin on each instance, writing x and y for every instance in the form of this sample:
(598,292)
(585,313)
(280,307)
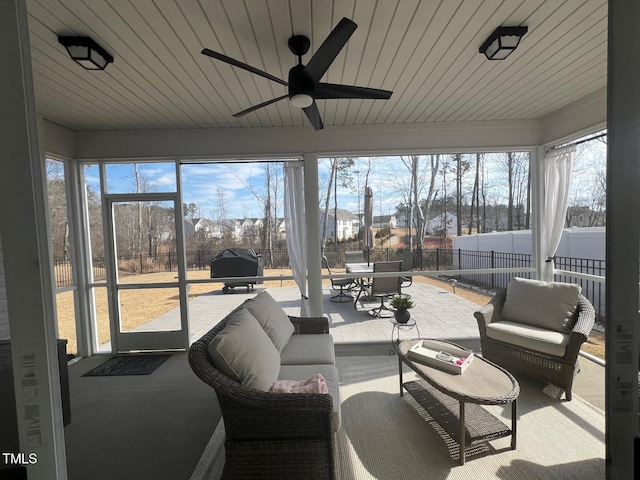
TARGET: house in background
(347,224)
(235,228)
(383,221)
(231,227)
(441,222)
(522,102)
(249,227)
(281,228)
(582,216)
(202,227)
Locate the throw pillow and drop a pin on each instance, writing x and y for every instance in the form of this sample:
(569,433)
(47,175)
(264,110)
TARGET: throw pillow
(274,321)
(549,305)
(243,351)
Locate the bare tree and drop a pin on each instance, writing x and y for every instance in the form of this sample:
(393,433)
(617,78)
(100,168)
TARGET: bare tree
(426,204)
(340,174)
(269,198)
(58,221)
(462,166)
(516,167)
(417,191)
(510,197)
(447,167)
(325,219)
(587,200)
(222,202)
(475,196)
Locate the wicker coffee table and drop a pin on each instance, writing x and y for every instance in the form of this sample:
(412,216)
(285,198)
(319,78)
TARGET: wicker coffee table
(453,401)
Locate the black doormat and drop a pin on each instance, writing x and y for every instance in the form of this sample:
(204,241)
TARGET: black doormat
(130,364)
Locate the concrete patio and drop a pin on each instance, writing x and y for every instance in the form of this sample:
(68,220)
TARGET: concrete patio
(438,313)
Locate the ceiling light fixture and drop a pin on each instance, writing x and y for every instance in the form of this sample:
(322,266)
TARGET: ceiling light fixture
(301,100)
(502,42)
(86,52)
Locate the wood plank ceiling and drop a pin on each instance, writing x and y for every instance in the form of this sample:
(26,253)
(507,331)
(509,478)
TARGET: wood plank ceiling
(425,51)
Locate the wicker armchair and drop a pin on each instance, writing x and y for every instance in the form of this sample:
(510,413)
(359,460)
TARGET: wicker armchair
(270,435)
(558,371)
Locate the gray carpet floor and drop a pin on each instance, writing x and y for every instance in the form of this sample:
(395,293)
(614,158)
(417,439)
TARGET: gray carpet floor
(138,427)
(384,436)
(555,439)
(158,426)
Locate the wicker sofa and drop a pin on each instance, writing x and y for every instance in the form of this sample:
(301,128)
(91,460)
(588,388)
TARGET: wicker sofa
(271,435)
(537,328)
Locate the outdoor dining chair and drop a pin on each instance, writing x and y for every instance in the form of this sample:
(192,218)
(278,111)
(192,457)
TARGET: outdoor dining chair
(355,256)
(383,287)
(340,285)
(407,266)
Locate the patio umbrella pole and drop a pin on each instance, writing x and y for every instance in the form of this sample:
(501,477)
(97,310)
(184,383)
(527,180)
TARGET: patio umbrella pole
(368,221)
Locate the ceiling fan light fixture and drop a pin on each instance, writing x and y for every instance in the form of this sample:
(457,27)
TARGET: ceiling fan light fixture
(301,100)
(86,52)
(502,42)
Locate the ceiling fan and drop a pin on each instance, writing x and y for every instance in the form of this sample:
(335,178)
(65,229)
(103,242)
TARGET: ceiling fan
(304,80)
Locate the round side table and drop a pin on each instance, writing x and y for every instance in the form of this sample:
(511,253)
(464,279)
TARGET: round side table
(411,324)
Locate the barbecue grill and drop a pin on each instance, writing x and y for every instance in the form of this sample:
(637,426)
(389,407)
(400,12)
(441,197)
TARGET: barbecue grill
(237,262)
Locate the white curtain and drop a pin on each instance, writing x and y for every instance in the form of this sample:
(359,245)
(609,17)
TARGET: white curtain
(294,217)
(557,169)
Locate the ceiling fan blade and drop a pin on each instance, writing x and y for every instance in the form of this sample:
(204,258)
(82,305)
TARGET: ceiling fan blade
(244,66)
(313,114)
(329,50)
(332,90)
(256,107)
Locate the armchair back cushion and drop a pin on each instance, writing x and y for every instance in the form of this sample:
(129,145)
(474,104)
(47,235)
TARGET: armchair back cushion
(272,318)
(244,352)
(541,304)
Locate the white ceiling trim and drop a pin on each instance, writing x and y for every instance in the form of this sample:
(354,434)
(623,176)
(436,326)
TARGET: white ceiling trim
(576,119)
(296,141)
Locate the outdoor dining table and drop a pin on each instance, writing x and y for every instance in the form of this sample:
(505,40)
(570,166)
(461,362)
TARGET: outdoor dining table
(359,267)
(360,270)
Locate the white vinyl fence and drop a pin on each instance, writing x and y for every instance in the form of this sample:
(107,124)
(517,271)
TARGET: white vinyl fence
(581,252)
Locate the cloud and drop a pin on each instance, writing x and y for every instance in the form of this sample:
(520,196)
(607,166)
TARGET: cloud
(200,185)
(166,180)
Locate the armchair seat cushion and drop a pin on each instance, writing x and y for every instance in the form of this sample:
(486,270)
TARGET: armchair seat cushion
(548,305)
(330,374)
(304,349)
(529,337)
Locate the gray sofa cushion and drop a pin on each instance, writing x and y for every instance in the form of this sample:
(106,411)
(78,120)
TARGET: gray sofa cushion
(244,352)
(330,374)
(526,336)
(549,305)
(273,319)
(304,349)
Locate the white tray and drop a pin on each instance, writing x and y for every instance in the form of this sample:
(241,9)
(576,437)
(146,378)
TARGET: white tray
(425,351)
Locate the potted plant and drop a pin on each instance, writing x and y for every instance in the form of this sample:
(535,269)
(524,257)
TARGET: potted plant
(402,304)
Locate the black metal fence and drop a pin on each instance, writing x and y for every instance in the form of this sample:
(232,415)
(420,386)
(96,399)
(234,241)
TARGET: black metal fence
(273,259)
(478,260)
(591,289)
(439,259)
(475,260)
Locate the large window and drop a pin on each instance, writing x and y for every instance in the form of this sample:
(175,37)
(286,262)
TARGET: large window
(61,245)
(423,200)
(234,205)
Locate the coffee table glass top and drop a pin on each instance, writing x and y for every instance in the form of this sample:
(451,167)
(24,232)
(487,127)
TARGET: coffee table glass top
(482,382)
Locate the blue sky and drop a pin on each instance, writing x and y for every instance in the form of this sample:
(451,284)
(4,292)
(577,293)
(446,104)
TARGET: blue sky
(202,183)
